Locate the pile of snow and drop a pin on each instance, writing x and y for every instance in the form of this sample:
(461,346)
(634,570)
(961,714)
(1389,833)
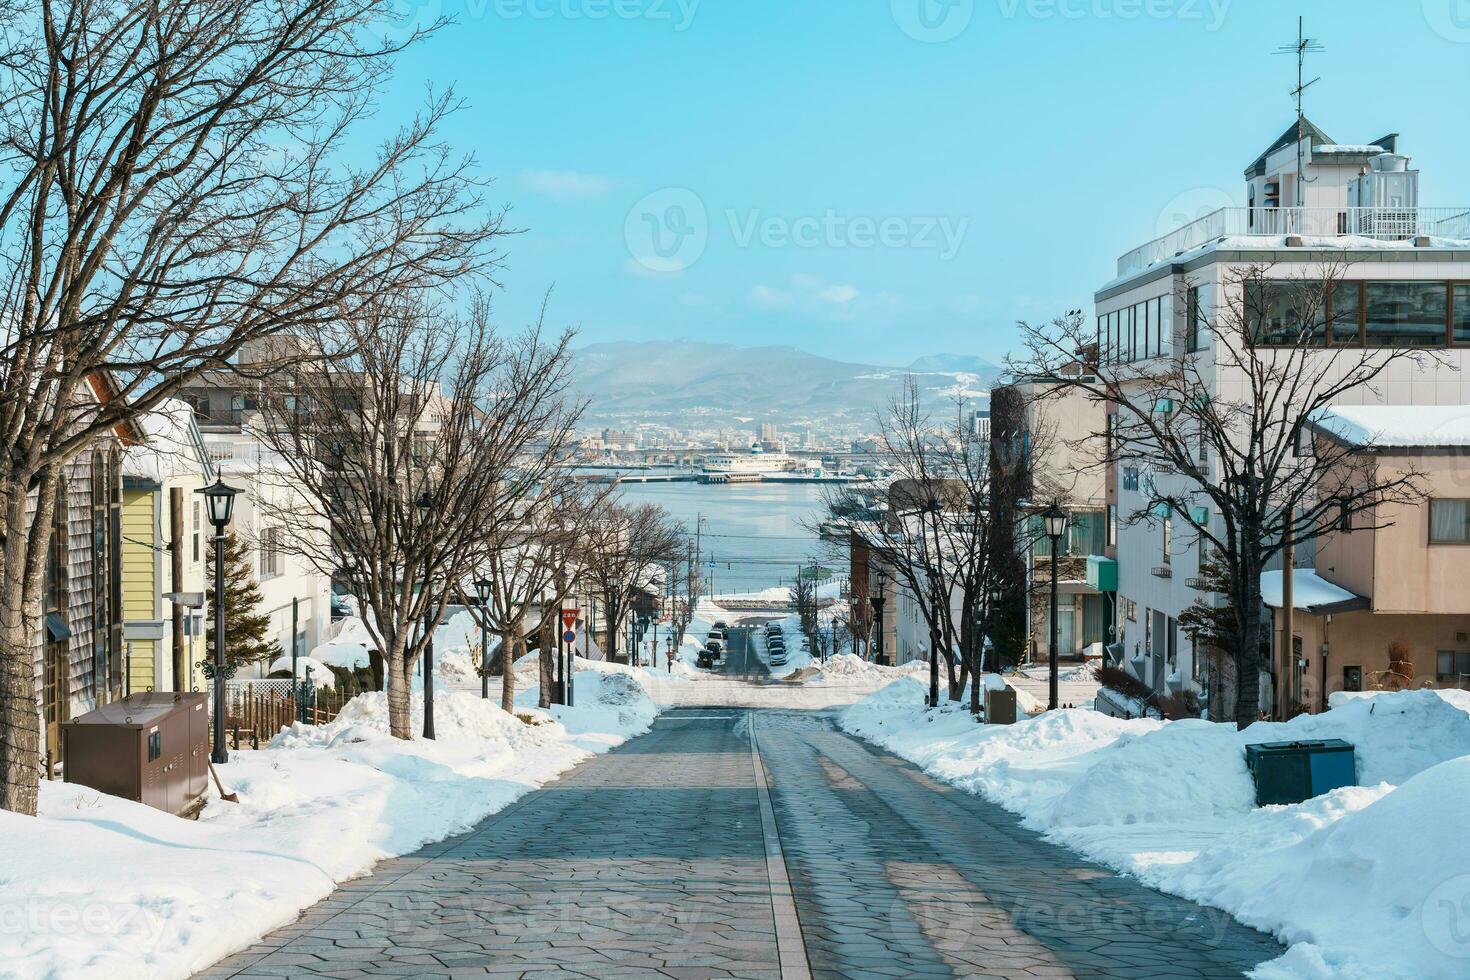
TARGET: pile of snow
(1367,881)
(321,675)
(105,887)
(848,665)
(349,647)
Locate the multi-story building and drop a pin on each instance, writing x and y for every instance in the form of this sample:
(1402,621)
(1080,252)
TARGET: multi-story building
(1314,204)
(164,543)
(1387,589)
(1038,426)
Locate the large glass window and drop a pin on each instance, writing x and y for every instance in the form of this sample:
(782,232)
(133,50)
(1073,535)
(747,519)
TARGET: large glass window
(1142,311)
(1461,326)
(1406,314)
(1449,522)
(1346,314)
(1280,312)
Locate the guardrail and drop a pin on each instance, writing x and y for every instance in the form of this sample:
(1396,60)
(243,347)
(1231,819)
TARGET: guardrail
(1383,224)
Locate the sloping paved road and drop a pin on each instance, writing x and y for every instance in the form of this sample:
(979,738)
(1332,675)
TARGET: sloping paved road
(687,853)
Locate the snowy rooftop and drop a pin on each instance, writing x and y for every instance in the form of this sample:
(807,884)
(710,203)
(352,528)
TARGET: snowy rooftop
(1397,426)
(1310,592)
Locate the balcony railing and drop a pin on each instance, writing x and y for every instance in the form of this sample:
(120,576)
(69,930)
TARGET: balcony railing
(1381,224)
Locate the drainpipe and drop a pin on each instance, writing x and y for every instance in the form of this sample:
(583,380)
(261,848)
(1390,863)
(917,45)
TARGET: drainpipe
(1326,632)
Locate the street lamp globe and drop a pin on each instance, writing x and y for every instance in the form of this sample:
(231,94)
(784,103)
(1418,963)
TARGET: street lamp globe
(425,503)
(1055,520)
(219,501)
(482,588)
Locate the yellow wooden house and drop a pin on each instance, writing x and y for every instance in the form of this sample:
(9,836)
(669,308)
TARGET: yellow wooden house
(163,552)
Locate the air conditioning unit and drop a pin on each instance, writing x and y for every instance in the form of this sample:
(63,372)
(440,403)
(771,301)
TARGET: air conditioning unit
(1384,201)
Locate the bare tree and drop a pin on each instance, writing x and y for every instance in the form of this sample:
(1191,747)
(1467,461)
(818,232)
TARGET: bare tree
(174,188)
(406,452)
(527,553)
(1234,463)
(686,585)
(621,557)
(941,531)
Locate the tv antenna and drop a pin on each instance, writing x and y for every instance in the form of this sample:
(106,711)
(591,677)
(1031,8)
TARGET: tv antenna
(1301,49)
(1304,46)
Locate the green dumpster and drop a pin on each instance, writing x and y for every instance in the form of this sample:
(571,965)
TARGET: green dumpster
(1290,772)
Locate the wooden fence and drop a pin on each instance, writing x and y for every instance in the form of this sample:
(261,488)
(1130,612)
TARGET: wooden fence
(256,713)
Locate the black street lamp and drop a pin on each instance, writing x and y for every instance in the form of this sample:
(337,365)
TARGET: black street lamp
(425,505)
(219,504)
(1055,520)
(877,602)
(482,588)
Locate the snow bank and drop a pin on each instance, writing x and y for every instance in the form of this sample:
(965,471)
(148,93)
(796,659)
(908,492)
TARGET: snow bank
(98,886)
(321,675)
(1371,881)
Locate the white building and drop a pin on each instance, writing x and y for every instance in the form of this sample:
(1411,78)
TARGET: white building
(1406,281)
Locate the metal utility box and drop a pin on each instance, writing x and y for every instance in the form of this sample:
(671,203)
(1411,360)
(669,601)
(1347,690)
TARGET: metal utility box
(1000,707)
(151,747)
(1290,772)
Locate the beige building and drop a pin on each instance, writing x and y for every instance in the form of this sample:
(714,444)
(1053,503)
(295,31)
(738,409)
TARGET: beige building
(1402,584)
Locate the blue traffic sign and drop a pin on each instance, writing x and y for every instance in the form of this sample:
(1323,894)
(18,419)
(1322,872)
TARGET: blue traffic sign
(570,636)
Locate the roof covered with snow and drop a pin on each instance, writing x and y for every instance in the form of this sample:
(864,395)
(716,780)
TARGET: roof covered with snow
(173,445)
(1310,592)
(1386,427)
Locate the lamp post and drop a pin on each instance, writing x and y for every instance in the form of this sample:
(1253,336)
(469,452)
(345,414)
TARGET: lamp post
(425,505)
(219,504)
(877,602)
(482,589)
(1055,520)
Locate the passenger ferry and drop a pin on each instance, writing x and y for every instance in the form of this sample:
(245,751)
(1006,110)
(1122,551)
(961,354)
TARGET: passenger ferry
(756,462)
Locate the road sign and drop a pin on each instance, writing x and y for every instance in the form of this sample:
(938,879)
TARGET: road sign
(569,619)
(570,636)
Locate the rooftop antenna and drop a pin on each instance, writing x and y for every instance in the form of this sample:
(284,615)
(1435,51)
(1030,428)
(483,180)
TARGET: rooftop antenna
(1304,46)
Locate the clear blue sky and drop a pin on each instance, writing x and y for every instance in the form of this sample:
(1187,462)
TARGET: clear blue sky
(835,175)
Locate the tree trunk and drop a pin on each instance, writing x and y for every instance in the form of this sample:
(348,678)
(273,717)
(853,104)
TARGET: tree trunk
(977,678)
(547,654)
(510,652)
(400,689)
(20,708)
(1248,664)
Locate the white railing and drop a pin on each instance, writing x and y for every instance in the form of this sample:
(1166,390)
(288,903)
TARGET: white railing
(1383,224)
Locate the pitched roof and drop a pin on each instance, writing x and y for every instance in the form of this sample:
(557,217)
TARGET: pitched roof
(1315,136)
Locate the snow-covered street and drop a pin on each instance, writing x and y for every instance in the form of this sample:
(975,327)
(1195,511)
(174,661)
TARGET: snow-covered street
(1369,881)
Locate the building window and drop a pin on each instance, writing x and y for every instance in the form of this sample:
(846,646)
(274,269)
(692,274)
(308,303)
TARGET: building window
(1406,314)
(1168,538)
(195,536)
(1346,315)
(1112,526)
(1192,321)
(1130,478)
(1453,667)
(1286,314)
(1449,522)
(270,552)
(1460,314)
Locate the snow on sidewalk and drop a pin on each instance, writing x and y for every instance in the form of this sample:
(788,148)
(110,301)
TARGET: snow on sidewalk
(99,886)
(1371,881)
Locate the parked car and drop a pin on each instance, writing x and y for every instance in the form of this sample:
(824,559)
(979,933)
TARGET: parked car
(775,645)
(715,648)
(717,634)
(778,660)
(706,659)
(721,625)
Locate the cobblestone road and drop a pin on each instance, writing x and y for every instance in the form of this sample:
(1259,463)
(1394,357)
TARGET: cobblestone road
(670,857)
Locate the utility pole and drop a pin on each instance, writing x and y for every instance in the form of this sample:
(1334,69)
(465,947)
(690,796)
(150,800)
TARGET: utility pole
(1304,46)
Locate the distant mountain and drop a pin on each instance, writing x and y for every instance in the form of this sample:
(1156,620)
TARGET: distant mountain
(965,363)
(686,383)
